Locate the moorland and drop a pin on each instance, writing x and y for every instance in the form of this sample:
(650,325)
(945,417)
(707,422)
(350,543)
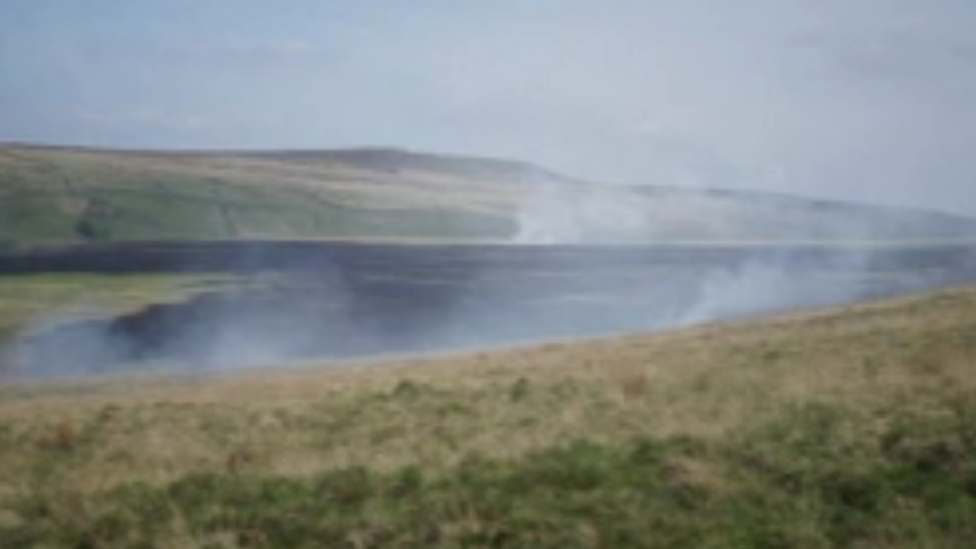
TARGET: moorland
(586,383)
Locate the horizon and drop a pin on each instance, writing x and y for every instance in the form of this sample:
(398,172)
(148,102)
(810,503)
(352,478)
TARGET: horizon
(873,102)
(742,191)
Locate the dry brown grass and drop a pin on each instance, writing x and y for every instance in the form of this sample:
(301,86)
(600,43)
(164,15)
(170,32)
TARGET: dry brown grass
(442,410)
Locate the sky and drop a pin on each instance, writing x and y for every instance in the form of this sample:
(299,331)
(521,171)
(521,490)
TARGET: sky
(868,100)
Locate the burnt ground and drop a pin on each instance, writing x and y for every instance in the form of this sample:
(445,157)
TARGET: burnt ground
(339,300)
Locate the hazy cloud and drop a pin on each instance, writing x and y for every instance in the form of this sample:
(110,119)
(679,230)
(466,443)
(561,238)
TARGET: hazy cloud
(864,99)
(148,118)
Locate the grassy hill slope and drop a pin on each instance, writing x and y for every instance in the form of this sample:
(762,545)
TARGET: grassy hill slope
(69,194)
(72,194)
(851,427)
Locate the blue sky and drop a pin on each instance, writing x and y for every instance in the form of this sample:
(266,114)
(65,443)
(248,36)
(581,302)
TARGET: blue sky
(872,100)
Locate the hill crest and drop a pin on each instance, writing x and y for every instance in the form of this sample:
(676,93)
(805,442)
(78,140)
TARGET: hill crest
(65,194)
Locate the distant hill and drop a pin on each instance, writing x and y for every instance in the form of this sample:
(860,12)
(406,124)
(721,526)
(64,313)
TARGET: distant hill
(399,160)
(68,194)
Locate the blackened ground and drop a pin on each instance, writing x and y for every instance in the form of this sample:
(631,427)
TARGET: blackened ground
(352,300)
(250,256)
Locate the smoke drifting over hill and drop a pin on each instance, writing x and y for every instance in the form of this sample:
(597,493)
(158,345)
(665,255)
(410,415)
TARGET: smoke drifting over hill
(869,100)
(582,259)
(575,214)
(554,215)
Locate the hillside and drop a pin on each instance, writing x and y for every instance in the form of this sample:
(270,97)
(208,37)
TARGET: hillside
(850,427)
(72,194)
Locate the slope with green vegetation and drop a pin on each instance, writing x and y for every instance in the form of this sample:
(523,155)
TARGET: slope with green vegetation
(852,427)
(78,195)
(54,194)
(28,301)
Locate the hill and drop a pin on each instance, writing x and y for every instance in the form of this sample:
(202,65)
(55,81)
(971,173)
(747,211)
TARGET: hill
(68,194)
(850,427)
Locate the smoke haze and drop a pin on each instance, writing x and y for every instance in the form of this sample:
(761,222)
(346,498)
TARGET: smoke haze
(415,300)
(867,100)
(873,100)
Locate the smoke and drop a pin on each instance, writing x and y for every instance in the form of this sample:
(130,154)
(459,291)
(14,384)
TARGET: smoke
(554,215)
(746,280)
(400,300)
(564,213)
(765,287)
(300,315)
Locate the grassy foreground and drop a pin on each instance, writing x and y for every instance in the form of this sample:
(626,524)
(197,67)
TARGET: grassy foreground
(853,427)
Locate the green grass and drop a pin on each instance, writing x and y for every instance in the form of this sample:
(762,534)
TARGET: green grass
(133,213)
(800,480)
(53,195)
(25,299)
